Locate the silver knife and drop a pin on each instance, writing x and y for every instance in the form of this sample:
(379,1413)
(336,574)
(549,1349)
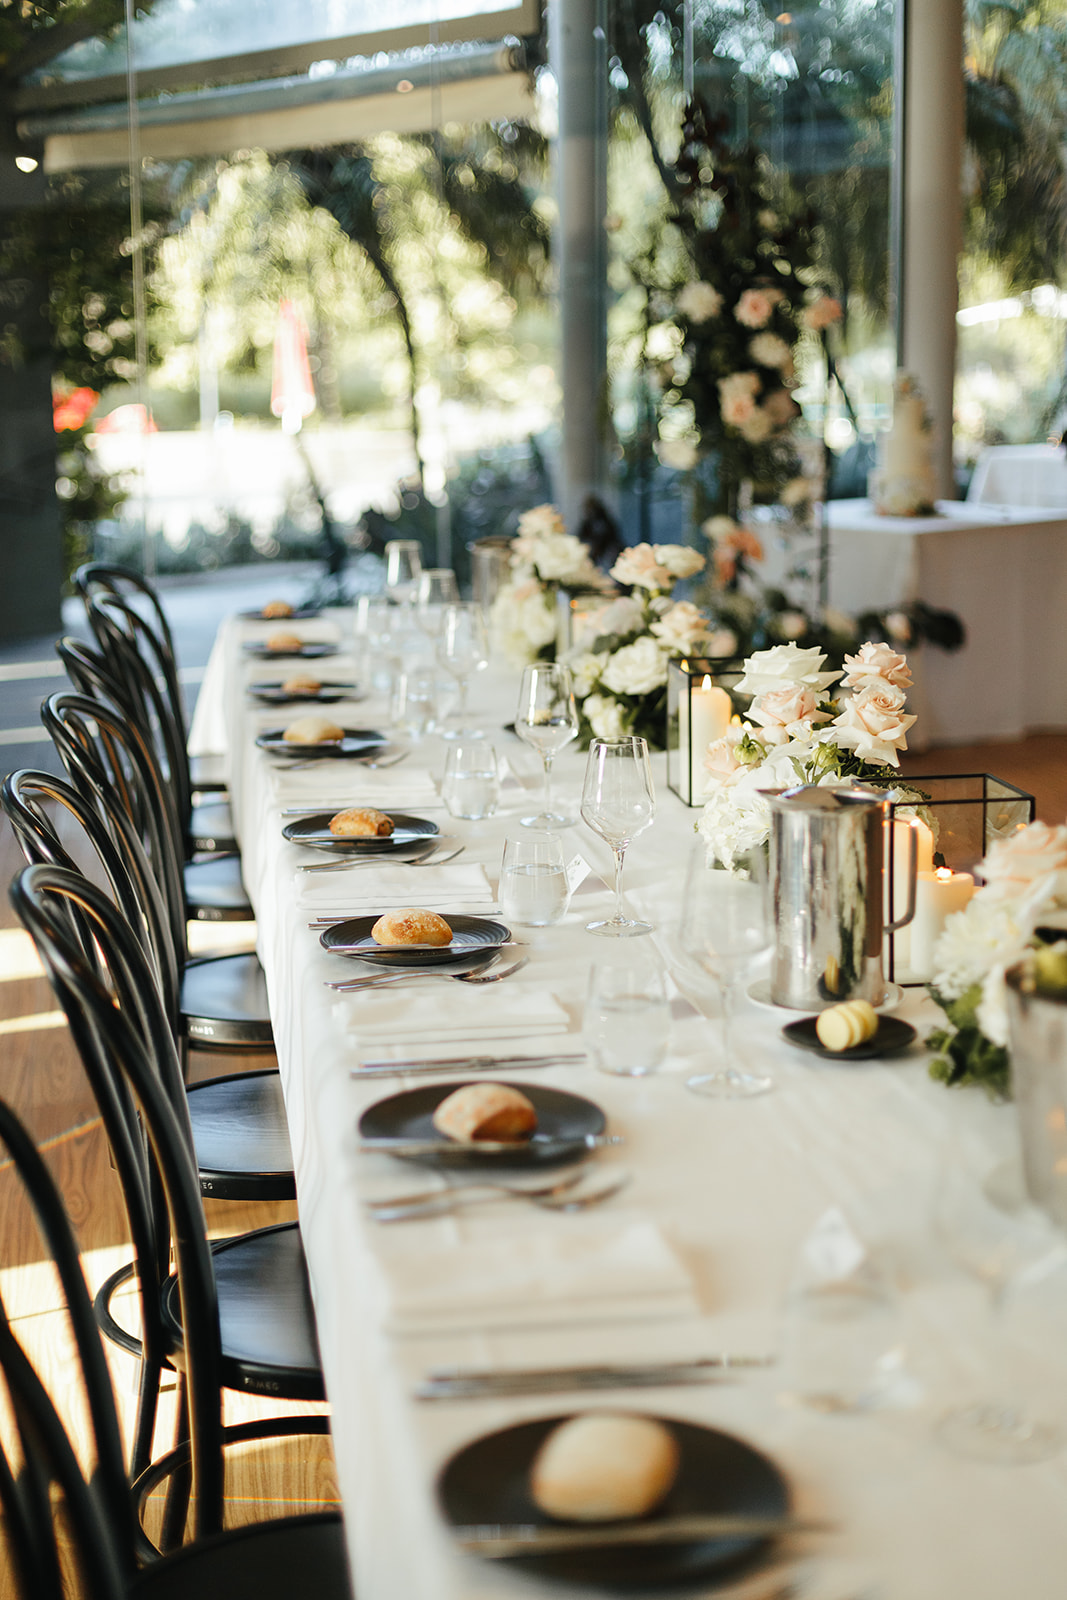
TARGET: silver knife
(458,1383)
(540,1142)
(389,1069)
(501,1540)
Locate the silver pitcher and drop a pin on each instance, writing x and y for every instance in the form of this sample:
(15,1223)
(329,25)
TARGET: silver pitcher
(826,870)
(1037,1043)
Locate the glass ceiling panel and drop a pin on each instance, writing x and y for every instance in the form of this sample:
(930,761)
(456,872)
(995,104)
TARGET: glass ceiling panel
(239,35)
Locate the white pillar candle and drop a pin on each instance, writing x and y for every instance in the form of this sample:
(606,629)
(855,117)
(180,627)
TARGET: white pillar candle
(937,895)
(710,711)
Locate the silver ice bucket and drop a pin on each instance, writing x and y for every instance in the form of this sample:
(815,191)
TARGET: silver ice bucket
(826,867)
(1037,1042)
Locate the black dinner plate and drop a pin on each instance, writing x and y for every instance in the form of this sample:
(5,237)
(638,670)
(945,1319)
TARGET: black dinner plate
(356,742)
(297,614)
(561,1116)
(891,1036)
(312,650)
(469,934)
(488,1482)
(408,832)
(274,694)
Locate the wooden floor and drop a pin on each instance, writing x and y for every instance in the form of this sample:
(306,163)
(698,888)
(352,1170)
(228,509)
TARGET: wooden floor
(42,1079)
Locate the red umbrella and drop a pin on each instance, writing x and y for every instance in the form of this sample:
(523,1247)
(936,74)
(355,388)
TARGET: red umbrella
(292,395)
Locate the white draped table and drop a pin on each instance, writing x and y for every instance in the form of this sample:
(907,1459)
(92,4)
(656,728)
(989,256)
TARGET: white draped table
(725,1192)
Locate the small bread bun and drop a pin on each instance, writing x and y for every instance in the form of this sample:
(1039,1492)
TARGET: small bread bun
(485,1111)
(602,1467)
(277,608)
(411,926)
(842,1027)
(315,729)
(301,684)
(284,643)
(363,822)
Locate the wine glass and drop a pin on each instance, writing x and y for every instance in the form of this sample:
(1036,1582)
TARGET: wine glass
(725,927)
(463,649)
(547,719)
(983,1218)
(403,566)
(437,588)
(618,802)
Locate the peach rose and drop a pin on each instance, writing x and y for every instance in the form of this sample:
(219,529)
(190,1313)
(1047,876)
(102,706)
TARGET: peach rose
(877,661)
(756,307)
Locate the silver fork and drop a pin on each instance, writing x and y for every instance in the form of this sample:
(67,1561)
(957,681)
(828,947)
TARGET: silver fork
(560,1197)
(374,762)
(480,975)
(434,859)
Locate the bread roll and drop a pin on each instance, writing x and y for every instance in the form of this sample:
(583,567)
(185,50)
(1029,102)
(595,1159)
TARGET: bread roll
(277,608)
(602,1467)
(301,684)
(363,822)
(842,1027)
(284,643)
(411,926)
(315,729)
(485,1111)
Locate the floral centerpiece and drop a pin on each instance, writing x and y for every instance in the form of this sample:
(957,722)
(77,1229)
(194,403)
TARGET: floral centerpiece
(1025,880)
(545,559)
(620,682)
(797,731)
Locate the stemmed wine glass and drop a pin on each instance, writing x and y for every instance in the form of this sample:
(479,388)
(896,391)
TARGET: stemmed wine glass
(725,927)
(618,802)
(403,565)
(462,649)
(547,719)
(437,588)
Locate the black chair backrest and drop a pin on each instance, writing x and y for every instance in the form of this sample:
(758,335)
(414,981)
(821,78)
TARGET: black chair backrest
(104,825)
(104,753)
(97,579)
(99,1510)
(128,1054)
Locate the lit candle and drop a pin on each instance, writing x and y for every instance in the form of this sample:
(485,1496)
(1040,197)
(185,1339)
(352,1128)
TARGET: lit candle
(937,895)
(710,711)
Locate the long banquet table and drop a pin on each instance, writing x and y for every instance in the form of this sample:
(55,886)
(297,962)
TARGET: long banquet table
(722,1197)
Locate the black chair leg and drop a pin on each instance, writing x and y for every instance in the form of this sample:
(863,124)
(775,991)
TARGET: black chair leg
(176,1506)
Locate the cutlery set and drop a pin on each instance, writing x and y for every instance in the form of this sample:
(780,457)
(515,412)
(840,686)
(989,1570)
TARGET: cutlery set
(435,1065)
(480,975)
(575,1192)
(435,858)
(471,1383)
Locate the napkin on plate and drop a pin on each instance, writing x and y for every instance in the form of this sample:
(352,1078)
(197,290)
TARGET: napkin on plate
(333,783)
(361,888)
(537,1279)
(426,1011)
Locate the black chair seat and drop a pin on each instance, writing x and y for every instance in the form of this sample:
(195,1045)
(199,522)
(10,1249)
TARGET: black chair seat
(207,774)
(240,1137)
(266,1317)
(211,826)
(224,1003)
(267,1561)
(214,891)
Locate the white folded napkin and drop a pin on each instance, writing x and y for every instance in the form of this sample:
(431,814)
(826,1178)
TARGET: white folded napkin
(537,1279)
(361,888)
(336,783)
(426,1011)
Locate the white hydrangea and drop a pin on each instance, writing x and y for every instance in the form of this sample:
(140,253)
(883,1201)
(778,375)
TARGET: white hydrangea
(607,717)
(985,934)
(637,668)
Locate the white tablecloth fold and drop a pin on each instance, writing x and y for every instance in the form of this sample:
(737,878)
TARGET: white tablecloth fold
(363,889)
(419,1010)
(555,1276)
(333,784)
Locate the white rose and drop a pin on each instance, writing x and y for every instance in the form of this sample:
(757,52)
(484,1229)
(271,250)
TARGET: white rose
(719,528)
(624,615)
(639,565)
(679,560)
(585,672)
(681,628)
(607,718)
(789,712)
(898,626)
(637,668)
(1034,859)
(785,663)
(768,350)
(522,620)
(699,302)
(540,522)
(875,724)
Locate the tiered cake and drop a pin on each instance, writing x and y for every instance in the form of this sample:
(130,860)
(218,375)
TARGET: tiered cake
(903,484)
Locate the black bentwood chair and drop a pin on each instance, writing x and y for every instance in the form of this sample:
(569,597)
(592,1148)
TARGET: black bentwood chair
(235,1314)
(98,578)
(240,1134)
(287,1559)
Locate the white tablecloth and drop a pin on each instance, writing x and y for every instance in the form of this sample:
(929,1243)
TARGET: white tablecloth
(1003,571)
(730,1188)
(1020,475)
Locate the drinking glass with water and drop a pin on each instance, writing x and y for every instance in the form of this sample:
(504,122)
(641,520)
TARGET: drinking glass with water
(627,1017)
(533,882)
(471,786)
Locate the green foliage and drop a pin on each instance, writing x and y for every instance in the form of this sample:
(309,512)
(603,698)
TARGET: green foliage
(963,1053)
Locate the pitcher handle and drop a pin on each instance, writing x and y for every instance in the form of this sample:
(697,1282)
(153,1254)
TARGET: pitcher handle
(913,872)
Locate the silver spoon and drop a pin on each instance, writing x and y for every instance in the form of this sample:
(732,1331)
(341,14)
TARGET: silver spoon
(560,1197)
